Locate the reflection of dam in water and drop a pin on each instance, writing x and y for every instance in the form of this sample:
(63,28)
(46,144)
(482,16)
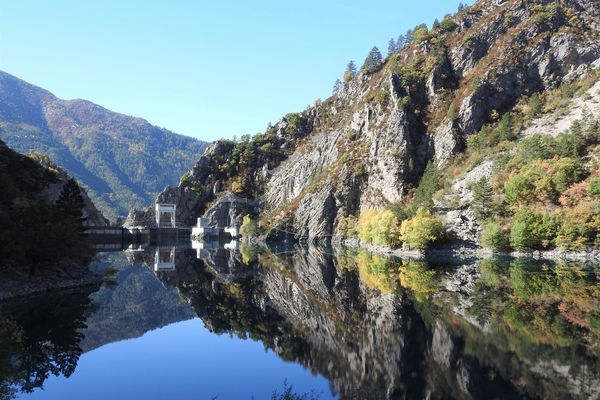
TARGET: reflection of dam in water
(388,328)
(164,259)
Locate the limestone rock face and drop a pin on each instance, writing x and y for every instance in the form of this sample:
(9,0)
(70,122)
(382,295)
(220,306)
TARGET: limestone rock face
(188,206)
(313,219)
(229,210)
(293,175)
(447,141)
(368,145)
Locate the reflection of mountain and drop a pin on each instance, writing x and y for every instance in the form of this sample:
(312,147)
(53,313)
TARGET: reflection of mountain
(350,319)
(377,328)
(136,304)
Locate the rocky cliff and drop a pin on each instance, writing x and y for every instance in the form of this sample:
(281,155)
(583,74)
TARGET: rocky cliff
(368,145)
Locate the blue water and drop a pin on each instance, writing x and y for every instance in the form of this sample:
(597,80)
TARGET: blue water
(181,361)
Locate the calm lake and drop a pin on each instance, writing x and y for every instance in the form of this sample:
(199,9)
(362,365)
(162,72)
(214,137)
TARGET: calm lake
(250,323)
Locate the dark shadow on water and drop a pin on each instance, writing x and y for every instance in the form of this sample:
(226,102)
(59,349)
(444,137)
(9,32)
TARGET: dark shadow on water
(41,337)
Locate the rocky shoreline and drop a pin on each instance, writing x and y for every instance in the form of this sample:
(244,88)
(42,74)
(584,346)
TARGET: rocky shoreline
(591,256)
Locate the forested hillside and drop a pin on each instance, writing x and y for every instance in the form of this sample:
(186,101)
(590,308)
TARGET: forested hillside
(123,161)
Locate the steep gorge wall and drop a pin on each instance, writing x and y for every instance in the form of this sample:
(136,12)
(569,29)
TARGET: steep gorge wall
(368,145)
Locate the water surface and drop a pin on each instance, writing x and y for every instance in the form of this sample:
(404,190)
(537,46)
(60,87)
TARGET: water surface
(206,323)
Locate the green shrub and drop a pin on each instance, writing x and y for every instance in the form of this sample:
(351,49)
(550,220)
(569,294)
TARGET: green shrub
(579,228)
(531,230)
(421,35)
(348,226)
(594,189)
(292,120)
(495,237)
(447,25)
(506,130)
(451,112)
(249,253)
(344,158)
(545,15)
(430,183)
(542,180)
(482,198)
(185,179)
(249,227)
(422,230)
(534,105)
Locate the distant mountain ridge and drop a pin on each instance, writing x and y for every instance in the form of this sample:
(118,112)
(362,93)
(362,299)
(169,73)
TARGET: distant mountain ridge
(124,161)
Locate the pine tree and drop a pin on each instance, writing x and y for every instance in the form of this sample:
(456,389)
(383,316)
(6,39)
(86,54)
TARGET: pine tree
(71,202)
(337,86)
(436,23)
(505,128)
(482,198)
(350,71)
(351,67)
(392,48)
(400,42)
(373,59)
(461,6)
(408,36)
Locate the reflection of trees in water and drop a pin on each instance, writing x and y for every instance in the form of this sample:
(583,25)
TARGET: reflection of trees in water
(40,338)
(547,304)
(534,324)
(382,328)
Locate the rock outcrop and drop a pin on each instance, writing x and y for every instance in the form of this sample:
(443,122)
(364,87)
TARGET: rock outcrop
(368,145)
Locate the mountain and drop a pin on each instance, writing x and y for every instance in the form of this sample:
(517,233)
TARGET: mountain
(459,126)
(123,161)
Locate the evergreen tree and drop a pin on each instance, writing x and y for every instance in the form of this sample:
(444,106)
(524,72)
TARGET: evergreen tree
(408,36)
(482,198)
(373,59)
(351,67)
(400,42)
(392,48)
(71,202)
(505,128)
(436,23)
(337,86)
(350,71)
(461,6)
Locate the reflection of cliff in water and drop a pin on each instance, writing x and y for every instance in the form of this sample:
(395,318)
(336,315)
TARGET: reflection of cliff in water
(358,325)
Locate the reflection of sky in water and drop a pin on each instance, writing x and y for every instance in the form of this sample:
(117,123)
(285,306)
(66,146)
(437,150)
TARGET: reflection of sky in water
(428,342)
(181,361)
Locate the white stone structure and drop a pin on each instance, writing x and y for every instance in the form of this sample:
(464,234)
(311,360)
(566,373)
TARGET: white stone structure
(164,259)
(168,209)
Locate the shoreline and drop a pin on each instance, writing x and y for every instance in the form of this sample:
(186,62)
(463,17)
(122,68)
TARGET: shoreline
(591,256)
(20,285)
(458,250)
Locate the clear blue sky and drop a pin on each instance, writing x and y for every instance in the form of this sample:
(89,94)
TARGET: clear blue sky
(207,69)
